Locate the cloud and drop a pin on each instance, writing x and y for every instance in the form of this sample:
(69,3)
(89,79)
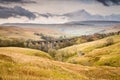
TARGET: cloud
(17,1)
(15,12)
(109,2)
(104,2)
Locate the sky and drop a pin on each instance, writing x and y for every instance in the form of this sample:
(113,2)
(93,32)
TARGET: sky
(13,11)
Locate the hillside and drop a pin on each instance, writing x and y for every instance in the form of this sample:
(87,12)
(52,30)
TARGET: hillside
(16,32)
(23,64)
(94,53)
(25,32)
(24,51)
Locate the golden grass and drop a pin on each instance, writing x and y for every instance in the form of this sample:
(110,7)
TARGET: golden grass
(89,45)
(19,64)
(96,53)
(26,32)
(27,51)
(16,32)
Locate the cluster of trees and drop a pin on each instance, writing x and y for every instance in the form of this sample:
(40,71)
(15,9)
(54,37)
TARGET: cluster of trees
(57,55)
(96,36)
(44,37)
(6,42)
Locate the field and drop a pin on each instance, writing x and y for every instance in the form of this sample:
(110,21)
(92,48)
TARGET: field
(28,64)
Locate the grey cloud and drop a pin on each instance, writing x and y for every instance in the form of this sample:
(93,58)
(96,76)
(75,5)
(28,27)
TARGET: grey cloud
(109,2)
(104,2)
(14,12)
(16,1)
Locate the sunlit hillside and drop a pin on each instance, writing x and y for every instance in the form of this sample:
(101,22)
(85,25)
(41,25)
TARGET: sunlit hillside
(16,32)
(98,52)
(16,50)
(25,32)
(59,39)
(29,64)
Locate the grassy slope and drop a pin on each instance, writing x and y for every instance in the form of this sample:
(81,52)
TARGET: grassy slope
(25,32)
(23,64)
(16,32)
(17,50)
(95,53)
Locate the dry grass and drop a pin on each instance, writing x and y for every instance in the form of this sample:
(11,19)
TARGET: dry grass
(16,50)
(89,46)
(18,64)
(96,53)
(16,32)
(25,32)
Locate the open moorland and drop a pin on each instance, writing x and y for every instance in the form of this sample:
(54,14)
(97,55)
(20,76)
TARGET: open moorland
(95,58)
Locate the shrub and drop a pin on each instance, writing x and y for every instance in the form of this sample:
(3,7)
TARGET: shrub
(52,52)
(109,41)
(64,55)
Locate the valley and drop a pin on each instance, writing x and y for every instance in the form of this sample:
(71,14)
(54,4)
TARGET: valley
(59,39)
(84,59)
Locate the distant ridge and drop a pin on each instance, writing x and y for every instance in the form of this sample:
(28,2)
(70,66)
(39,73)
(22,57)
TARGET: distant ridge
(93,22)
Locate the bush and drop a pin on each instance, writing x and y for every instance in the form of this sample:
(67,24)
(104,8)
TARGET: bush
(52,52)
(64,55)
(109,41)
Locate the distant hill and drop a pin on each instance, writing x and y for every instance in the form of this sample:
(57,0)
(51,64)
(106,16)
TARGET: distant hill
(83,15)
(94,22)
(25,32)
(16,32)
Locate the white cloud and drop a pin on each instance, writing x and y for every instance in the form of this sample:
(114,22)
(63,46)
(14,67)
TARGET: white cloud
(50,20)
(38,20)
(14,20)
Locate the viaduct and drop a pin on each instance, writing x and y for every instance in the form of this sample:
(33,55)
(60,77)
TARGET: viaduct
(53,44)
(50,44)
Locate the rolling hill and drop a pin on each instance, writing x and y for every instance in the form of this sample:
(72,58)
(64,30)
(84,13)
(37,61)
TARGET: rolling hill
(25,32)
(23,64)
(16,32)
(94,53)
(83,15)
